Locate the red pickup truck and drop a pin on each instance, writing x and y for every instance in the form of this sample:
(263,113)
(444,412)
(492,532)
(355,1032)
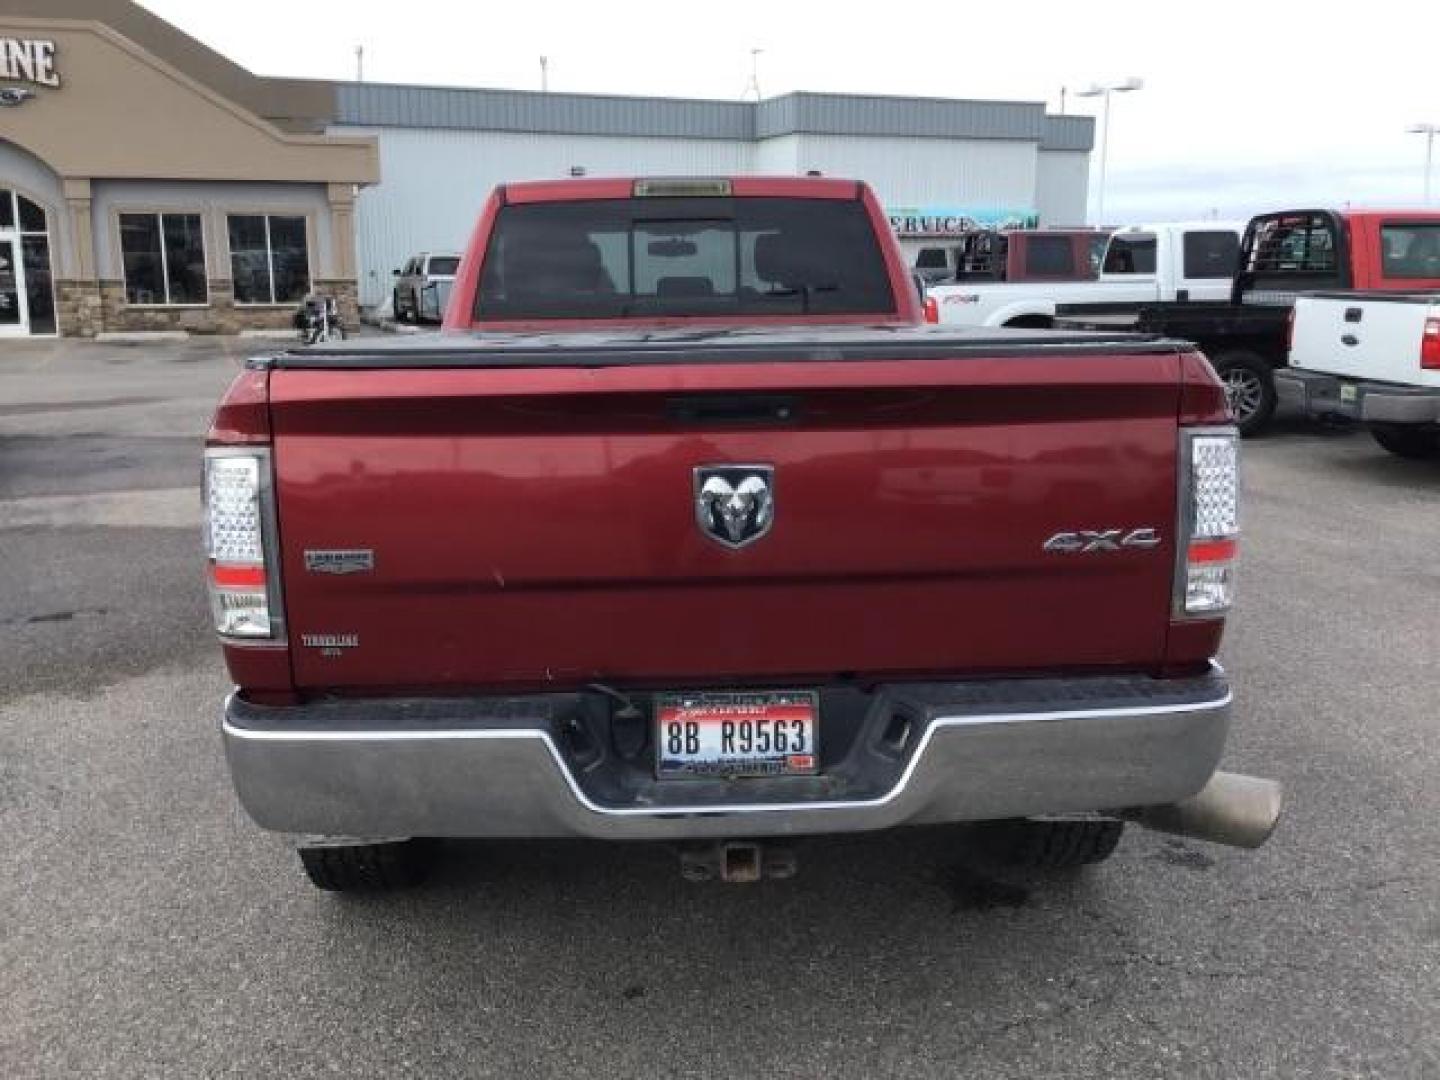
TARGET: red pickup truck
(688,529)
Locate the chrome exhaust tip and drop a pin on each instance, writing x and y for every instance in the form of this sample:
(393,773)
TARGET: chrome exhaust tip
(1232,809)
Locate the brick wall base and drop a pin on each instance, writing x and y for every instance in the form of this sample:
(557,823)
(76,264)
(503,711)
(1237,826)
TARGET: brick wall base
(77,308)
(86,308)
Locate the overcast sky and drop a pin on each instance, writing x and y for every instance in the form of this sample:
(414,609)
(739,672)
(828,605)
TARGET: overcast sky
(1246,106)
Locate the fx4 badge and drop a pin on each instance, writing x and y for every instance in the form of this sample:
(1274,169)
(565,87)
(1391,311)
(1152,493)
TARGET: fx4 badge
(1085,540)
(735,504)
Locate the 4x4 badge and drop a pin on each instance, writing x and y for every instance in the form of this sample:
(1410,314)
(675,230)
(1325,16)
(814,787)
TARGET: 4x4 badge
(1084,540)
(735,504)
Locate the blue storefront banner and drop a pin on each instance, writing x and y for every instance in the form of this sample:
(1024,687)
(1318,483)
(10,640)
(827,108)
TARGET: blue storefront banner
(918,221)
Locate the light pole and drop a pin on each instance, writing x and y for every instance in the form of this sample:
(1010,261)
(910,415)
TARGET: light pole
(1104,90)
(1428,130)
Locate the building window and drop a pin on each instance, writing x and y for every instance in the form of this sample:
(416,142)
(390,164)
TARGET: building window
(269,258)
(164,259)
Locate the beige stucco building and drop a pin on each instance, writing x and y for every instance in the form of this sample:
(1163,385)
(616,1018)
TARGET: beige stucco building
(147,183)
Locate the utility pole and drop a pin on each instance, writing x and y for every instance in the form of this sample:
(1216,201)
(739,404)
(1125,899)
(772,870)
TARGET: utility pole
(753,86)
(1428,130)
(544,74)
(1103,91)
(359,63)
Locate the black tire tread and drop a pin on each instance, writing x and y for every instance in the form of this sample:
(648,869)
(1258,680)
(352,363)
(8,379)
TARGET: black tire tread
(1260,419)
(1415,443)
(1054,845)
(364,867)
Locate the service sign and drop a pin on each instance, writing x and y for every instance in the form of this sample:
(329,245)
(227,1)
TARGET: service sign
(28,60)
(941,221)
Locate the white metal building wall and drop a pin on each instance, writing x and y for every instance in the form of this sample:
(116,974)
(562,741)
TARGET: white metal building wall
(910,172)
(434,181)
(1062,187)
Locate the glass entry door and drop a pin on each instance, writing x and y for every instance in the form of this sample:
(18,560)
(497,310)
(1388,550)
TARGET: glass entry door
(14,318)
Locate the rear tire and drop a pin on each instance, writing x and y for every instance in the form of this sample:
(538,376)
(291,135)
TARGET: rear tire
(1030,322)
(1052,845)
(1408,441)
(394,864)
(1249,388)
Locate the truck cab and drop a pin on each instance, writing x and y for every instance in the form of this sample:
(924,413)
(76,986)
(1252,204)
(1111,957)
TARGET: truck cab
(1031,255)
(1284,255)
(1015,255)
(1142,265)
(1185,261)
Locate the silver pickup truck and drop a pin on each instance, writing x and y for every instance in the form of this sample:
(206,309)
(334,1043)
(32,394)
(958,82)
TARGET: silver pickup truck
(422,286)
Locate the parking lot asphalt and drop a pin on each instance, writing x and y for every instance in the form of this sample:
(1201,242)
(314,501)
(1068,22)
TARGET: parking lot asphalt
(147,929)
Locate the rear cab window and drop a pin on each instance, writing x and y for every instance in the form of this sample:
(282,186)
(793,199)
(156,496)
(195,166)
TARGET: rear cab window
(1049,256)
(442,265)
(1211,254)
(1131,254)
(1410,250)
(932,259)
(1288,253)
(682,256)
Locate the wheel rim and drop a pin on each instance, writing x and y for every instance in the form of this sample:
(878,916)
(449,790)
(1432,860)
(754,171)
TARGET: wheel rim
(1244,391)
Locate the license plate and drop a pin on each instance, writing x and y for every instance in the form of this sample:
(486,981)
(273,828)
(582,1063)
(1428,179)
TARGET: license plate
(740,733)
(1349,394)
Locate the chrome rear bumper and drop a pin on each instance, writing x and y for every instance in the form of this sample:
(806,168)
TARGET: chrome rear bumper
(503,768)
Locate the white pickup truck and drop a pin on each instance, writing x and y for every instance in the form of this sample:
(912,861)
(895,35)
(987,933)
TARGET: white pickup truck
(1144,264)
(1373,357)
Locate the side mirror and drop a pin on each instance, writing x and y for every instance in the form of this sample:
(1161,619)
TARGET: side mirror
(919,283)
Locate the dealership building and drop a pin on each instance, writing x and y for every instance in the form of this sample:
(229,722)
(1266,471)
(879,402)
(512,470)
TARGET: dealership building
(148,184)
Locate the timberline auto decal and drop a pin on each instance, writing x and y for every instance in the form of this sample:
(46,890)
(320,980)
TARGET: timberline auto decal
(28,61)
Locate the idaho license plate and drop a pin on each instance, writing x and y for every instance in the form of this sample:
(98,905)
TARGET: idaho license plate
(739,733)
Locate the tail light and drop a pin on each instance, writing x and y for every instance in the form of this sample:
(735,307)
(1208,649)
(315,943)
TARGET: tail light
(932,310)
(1209,522)
(1430,345)
(241,543)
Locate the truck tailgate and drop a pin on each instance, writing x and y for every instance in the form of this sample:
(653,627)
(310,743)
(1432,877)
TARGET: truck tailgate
(534,526)
(1365,335)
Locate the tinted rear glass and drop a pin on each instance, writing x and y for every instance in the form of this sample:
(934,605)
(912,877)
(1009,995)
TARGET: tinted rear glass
(1211,254)
(622,258)
(1049,256)
(1130,255)
(443,265)
(1410,251)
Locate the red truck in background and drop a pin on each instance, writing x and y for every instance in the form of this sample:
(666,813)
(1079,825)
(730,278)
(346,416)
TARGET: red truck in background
(688,529)
(1016,255)
(1285,254)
